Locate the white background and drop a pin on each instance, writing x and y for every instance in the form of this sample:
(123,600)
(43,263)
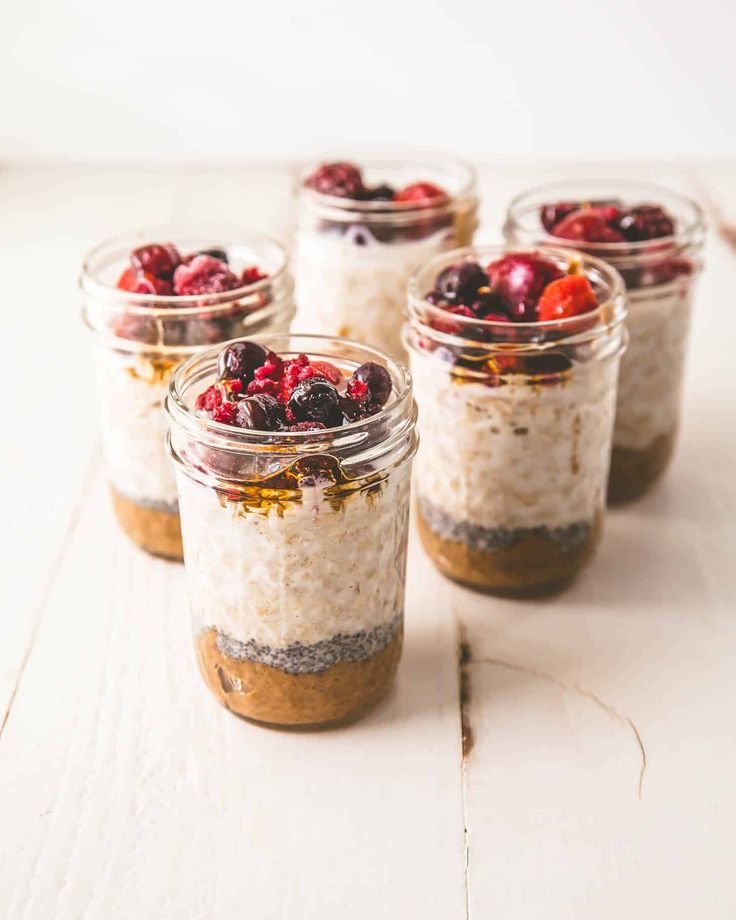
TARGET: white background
(573,79)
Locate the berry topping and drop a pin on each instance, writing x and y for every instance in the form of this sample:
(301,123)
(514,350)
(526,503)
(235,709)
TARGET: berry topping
(645,222)
(518,280)
(461,283)
(251,275)
(315,400)
(307,426)
(343,180)
(381,193)
(204,275)
(215,252)
(240,360)
(260,412)
(552,214)
(143,283)
(371,384)
(328,371)
(156,259)
(588,225)
(421,193)
(568,296)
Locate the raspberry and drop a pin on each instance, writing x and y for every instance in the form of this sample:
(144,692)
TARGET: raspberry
(644,222)
(210,399)
(588,225)
(568,296)
(421,193)
(267,378)
(252,274)
(328,371)
(204,275)
(224,413)
(294,372)
(157,259)
(343,180)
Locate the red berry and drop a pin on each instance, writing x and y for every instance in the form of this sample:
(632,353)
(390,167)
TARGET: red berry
(143,283)
(496,318)
(252,274)
(343,180)
(551,214)
(210,399)
(204,275)
(158,259)
(518,280)
(421,193)
(644,222)
(568,296)
(224,413)
(328,371)
(588,225)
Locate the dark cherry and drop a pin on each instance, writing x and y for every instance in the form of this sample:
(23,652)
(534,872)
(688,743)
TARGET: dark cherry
(260,413)
(215,253)
(370,383)
(342,180)
(552,214)
(240,360)
(589,225)
(518,280)
(381,193)
(159,260)
(644,222)
(460,283)
(315,400)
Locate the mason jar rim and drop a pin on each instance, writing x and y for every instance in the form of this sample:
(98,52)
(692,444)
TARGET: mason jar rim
(167,306)
(611,312)
(199,367)
(523,216)
(340,208)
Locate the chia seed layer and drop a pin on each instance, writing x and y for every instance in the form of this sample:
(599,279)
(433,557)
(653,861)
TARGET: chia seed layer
(300,658)
(493,539)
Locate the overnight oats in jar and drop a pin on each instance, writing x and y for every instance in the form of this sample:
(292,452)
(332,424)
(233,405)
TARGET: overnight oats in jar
(293,458)
(149,306)
(654,238)
(514,357)
(362,230)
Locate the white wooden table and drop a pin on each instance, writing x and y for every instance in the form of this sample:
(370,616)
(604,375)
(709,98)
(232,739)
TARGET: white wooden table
(597,775)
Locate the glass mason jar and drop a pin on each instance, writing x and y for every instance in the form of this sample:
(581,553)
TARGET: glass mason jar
(660,279)
(138,341)
(295,547)
(353,259)
(515,422)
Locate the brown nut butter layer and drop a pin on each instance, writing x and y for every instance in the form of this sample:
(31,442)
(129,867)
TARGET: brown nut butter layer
(633,472)
(530,565)
(342,693)
(154,530)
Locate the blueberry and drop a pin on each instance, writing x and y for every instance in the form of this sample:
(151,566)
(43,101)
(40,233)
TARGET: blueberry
(381,193)
(316,400)
(460,283)
(260,413)
(376,380)
(240,360)
(216,253)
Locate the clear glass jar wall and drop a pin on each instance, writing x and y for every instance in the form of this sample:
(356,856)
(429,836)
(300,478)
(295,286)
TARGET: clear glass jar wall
(660,278)
(138,341)
(295,547)
(515,422)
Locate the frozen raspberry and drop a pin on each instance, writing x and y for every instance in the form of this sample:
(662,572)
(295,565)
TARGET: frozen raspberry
(518,279)
(224,413)
(552,214)
(328,371)
(370,383)
(240,360)
(261,412)
(568,296)
(461,282)
(204,275)
(343,180)
(251,275)
(210,399)
(644,222)
(588,225)
(157,259)
(140,283)
(267,377)
(315,400)
(421,193)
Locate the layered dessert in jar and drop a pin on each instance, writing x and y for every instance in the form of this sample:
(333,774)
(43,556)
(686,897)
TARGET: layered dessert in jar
(515,357)
(363,229)
(150,305)
(293,458)
(654,238)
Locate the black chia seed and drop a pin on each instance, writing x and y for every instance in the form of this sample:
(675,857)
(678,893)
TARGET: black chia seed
(319,656)
(492,539)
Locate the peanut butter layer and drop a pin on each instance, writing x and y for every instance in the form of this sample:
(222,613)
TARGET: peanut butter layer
(633,472)
(339,694)
(156,531)
(531,565)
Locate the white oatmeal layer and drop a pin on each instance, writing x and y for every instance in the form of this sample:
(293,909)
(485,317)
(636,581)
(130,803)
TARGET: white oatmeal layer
(514,456)
(359,291)
(652,369)
(306,576)
(131,391)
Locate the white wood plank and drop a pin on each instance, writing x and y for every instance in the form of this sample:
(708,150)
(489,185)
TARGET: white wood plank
(127,792)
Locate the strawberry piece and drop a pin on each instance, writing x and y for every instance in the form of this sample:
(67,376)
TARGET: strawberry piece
(572,295)
(421,193)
